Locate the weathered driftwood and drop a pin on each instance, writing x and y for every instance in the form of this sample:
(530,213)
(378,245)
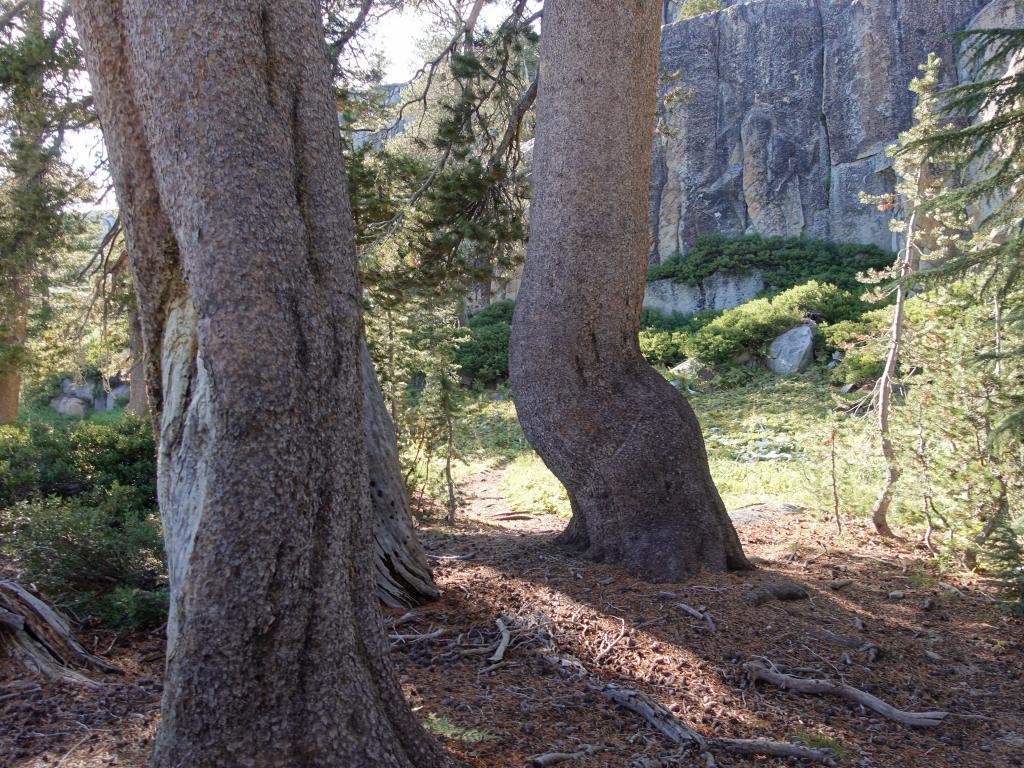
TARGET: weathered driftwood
(506,636)
(759,671)
(40,639)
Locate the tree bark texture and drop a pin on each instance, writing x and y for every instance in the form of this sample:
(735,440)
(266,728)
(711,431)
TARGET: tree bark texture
(226,156)
(624,443)
(10,380)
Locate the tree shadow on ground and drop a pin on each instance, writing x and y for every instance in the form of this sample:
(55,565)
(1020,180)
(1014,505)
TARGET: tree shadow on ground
(956,653)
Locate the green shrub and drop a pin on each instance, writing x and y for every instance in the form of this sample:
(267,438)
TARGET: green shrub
(749,327)
(858,368)
(1005,550)
(483,353)
(66,459)
(78,513)
(88,545)
(665,348)
(691,8)
(786,261)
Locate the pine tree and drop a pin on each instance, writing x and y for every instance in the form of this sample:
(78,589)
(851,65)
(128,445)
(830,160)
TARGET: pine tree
(926,229)
(40,103)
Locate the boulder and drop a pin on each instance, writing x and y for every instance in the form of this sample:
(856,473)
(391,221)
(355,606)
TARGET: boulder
(719,291)
(793,351)
(83,391)
(694,370)
(69,405)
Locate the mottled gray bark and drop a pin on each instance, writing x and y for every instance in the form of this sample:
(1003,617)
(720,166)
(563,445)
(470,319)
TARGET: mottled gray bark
(624,443)
(403,574)
(225,152)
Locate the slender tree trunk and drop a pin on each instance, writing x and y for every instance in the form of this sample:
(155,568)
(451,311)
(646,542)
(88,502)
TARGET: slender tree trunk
(138,403)
(880,512)
(621,439)
(225,152)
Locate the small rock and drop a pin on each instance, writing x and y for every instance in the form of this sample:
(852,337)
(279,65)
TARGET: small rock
(896,595)
(840,583)
(929,604)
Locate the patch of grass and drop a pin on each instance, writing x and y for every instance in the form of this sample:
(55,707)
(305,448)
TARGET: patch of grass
(530,488)
(921,579)
(816,740)
(439,725)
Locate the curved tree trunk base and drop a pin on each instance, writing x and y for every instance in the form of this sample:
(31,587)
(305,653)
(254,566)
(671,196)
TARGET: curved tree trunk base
(37,638)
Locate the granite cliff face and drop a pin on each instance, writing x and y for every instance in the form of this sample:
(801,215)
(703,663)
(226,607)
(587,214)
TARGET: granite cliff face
(790,105)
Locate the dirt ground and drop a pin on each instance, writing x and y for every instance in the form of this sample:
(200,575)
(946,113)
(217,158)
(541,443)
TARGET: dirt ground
(940,644)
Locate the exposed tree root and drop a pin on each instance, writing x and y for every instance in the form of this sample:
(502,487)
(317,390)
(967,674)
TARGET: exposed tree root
(759,671)
(674,729)
(38,638)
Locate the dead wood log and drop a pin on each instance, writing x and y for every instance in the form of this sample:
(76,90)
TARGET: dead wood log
(40,639)
(776,590)
(758,671)
(775,749)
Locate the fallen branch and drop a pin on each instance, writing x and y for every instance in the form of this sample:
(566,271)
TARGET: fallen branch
(701,615)
(554,758)
(758,671)
(775,749)
(506,636)
(655,715)
(776,590)
(612,644)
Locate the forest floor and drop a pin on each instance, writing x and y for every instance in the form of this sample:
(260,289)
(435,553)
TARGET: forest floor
(940,644)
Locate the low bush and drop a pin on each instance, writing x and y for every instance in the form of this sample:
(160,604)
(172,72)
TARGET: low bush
(68,458)
(85,551)
(483,354)
(78,513)
(748,328)
(786,261)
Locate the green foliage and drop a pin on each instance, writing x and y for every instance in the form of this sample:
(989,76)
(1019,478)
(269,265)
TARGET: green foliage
(785,261)
(816,740)
(1005,553)
(91,551)
(748,328)
(69,458)
(78,514)
(664,348)
(483,354)
(530,488)
(858,368)
(439,725)
(691,8)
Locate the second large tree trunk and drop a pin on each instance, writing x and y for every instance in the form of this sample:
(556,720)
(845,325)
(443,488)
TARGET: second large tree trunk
(624,443)
(224,147)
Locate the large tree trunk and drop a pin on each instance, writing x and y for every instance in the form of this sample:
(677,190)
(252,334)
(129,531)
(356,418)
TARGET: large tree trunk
(403,574)
(624,443)
(138,402)
(225,152)
(10,378)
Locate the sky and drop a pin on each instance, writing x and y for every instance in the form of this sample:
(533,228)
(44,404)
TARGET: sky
(397,35)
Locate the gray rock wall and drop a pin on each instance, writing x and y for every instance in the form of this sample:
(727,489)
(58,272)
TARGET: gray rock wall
(719,291)
(790,106)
